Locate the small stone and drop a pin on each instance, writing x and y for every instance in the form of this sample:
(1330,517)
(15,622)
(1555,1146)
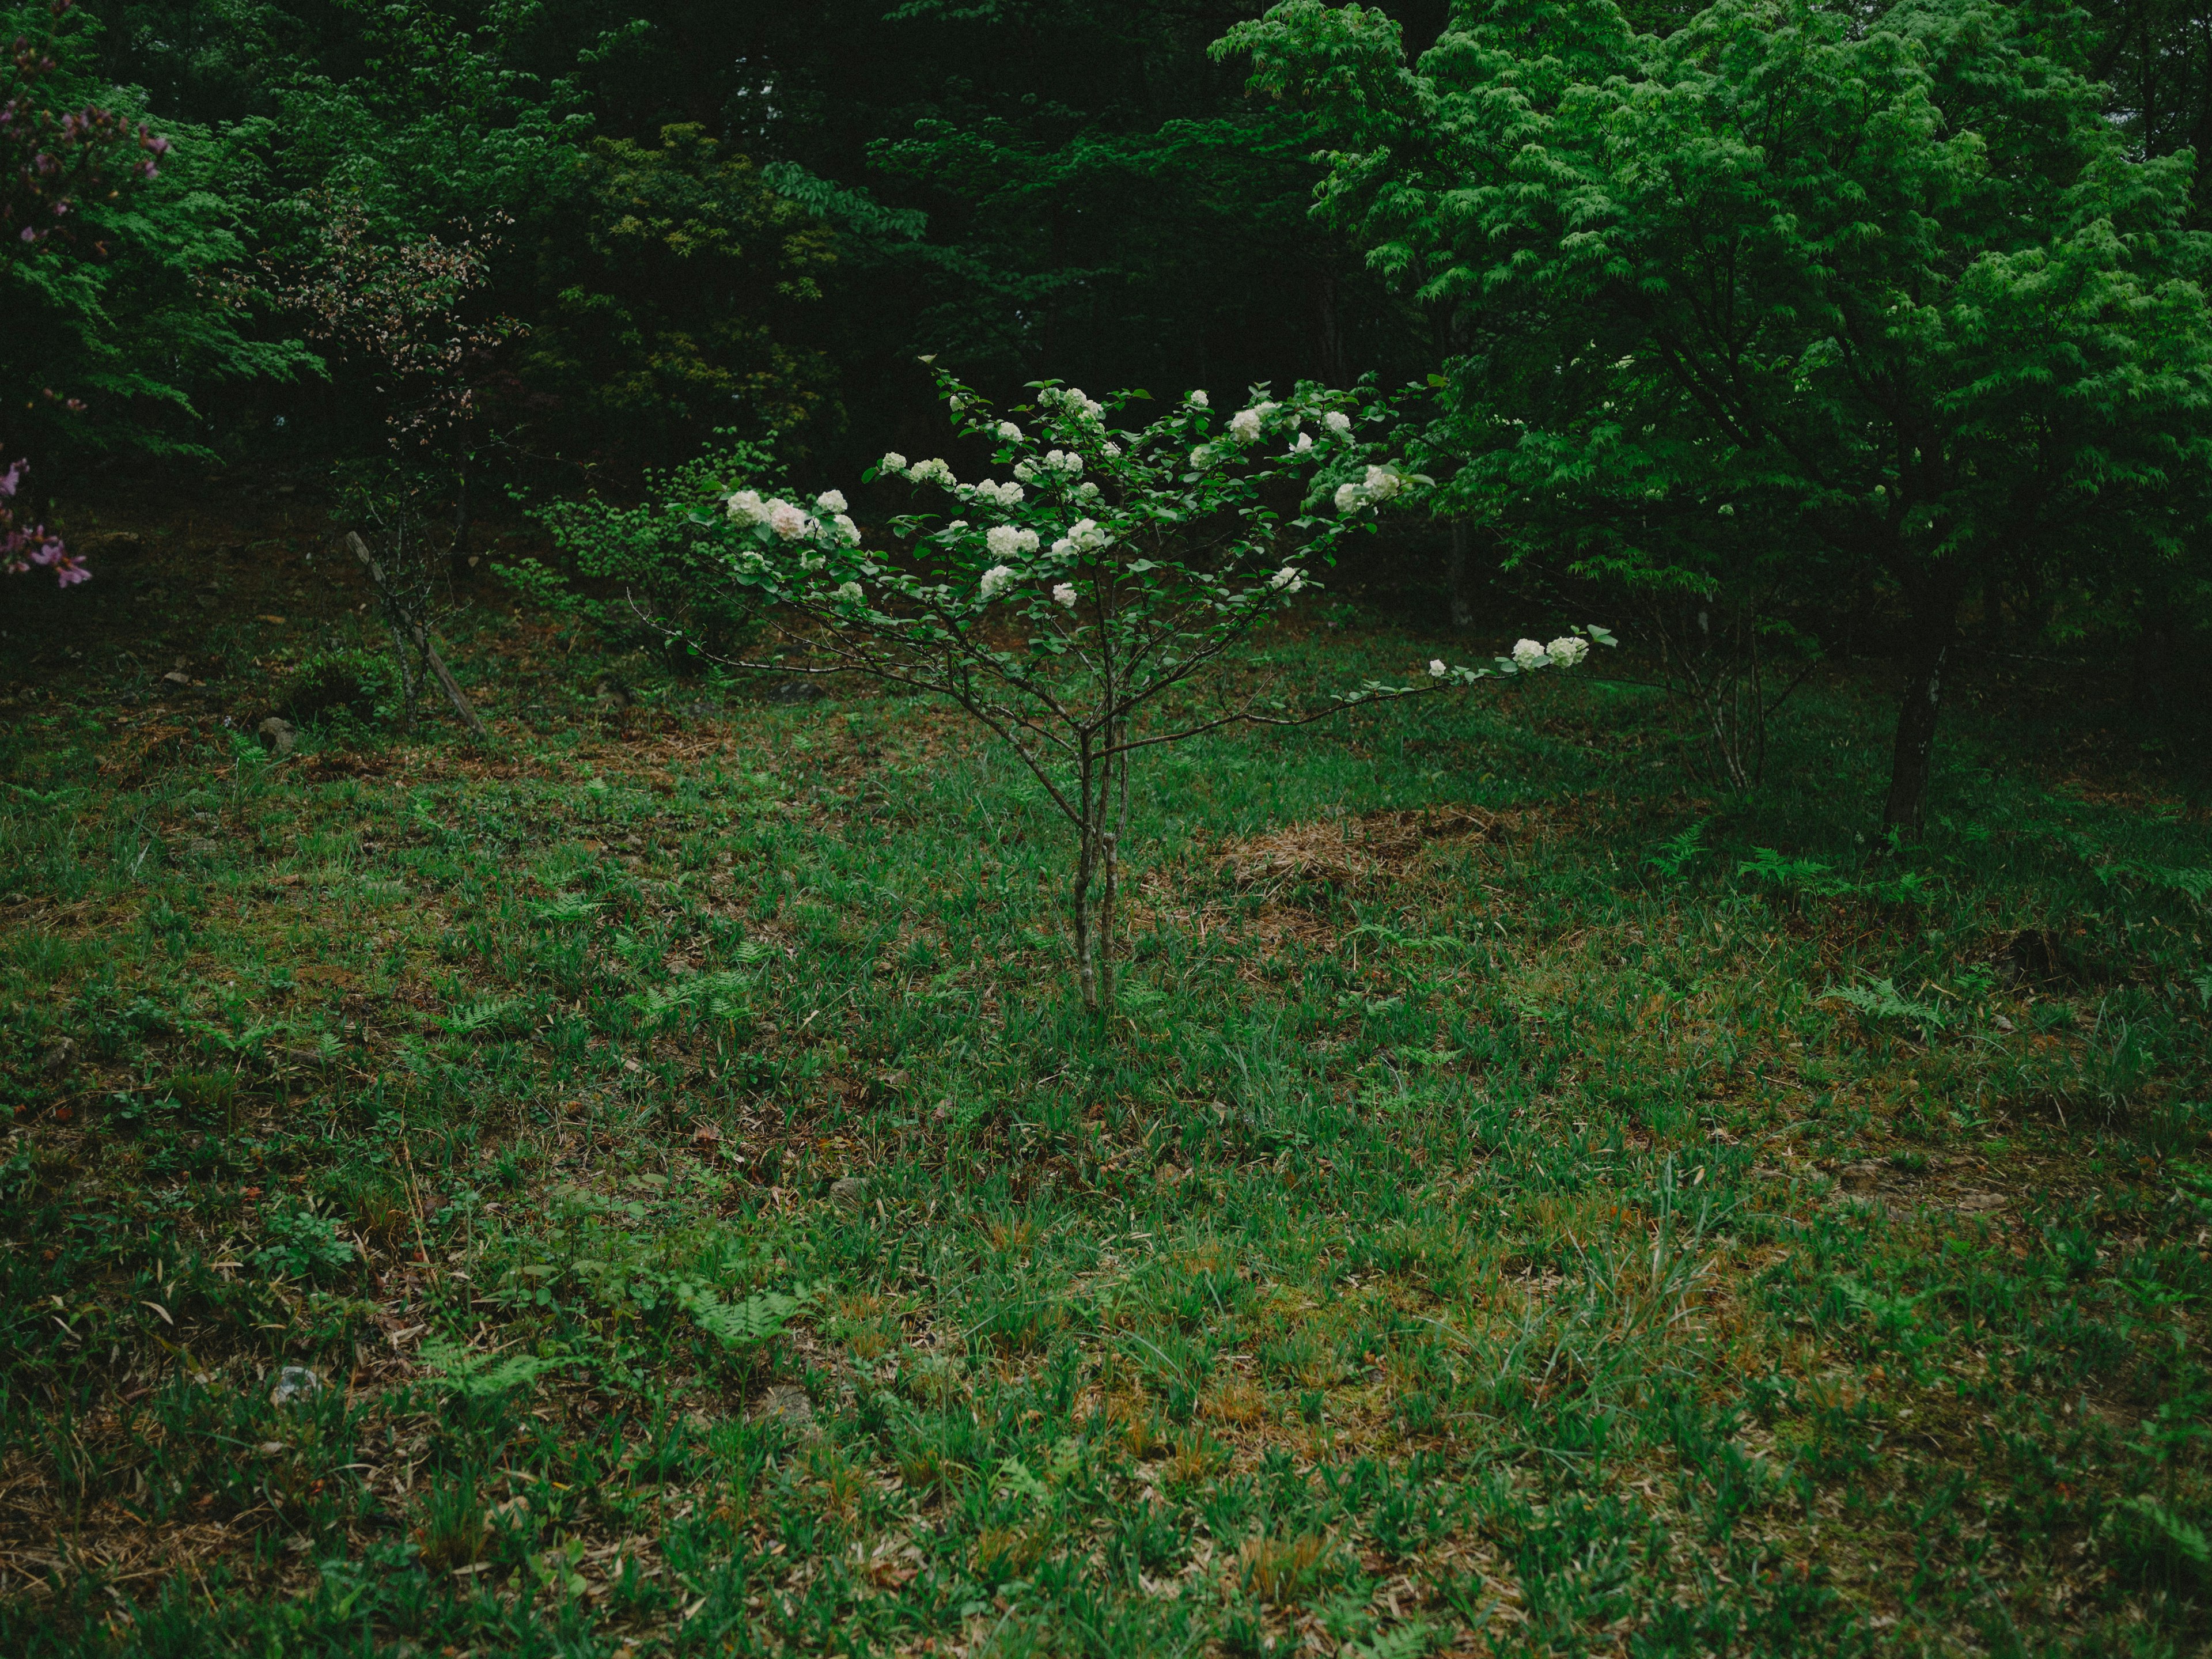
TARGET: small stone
(795,692)
(788,1404)
(177,677)
(848,1193)
(294,1382)
(277,736)
(57,1057)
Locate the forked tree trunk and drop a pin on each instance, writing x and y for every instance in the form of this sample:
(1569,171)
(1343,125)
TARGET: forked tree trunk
(1912,760)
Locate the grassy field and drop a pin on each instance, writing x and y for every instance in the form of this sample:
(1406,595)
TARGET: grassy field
(641,1186)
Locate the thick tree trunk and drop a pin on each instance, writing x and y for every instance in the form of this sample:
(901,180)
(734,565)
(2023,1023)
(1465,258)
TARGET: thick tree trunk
(1462,601)
(1935,632)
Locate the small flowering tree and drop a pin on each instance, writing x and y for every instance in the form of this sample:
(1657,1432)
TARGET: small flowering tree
(23,545)
(1079,606)
(52,161)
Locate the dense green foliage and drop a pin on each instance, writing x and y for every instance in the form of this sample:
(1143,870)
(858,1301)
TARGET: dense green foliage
(1847,323)
(541,1106)
(1786,304)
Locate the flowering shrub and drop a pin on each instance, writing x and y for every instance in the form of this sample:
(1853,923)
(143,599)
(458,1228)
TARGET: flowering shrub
(1076,602)
(22,546)
(400,307)
(50,161)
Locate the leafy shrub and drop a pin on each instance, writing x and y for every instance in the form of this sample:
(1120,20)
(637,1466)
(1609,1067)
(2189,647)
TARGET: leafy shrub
(301,1243)
(334,682)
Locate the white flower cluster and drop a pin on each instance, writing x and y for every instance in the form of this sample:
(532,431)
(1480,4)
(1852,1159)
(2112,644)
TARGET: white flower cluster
(1072,399)
(1006,542)
(795,524)
(996,581)
(933,471)
(1200,399)
(1564,652)
(1380,484)
(1437,669)
(1245,424)
(1084,536)
(1063,461)
(1288,580)
(1064,596)
(790,523)
(1009,431)
(1005,494)
(1337,421)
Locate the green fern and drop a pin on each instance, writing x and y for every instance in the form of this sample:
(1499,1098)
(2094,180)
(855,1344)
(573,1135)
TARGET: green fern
(755,1319)
(1879,998)
(480,1377)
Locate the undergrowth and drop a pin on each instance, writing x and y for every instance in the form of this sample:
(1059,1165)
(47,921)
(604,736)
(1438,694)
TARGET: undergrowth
(644,1187)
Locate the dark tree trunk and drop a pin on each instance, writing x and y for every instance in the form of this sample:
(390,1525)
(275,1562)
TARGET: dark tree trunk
(1328,337)
(1934,633)
(1459,587)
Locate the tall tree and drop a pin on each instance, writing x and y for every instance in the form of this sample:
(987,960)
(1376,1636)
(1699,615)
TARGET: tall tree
(1889,294)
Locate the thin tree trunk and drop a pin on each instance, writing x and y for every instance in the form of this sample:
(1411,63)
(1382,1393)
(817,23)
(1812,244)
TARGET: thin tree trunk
(1935,618)
(1462,603)
(407,679)
(404,628)
(1086,978)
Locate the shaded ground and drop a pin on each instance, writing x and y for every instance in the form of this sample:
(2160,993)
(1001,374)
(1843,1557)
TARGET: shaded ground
(1496,1223)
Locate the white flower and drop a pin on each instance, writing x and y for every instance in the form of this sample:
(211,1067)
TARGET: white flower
(847,532)
(957,524)
(1064,596)
(1201,456)
(933,471)
(1567,650)
(1009,431)
(1087,490)
(746,504)
(1112,451)
(831,500)
(1288,580)
(849,592)
(788,521)
(1305,443)
(1005,541)
(1337,421)
(1347,497)
(1026,471)
(1200,399)
(1244,425)
(1065,460)
(1005,494)
(810,560)
(1086,537)
(1437,669)
(996,581)
(1064,547)
(891,462)
(1528,654)
(1383,483)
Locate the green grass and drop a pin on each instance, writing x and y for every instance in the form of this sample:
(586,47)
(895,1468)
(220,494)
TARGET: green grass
(1500,1221)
